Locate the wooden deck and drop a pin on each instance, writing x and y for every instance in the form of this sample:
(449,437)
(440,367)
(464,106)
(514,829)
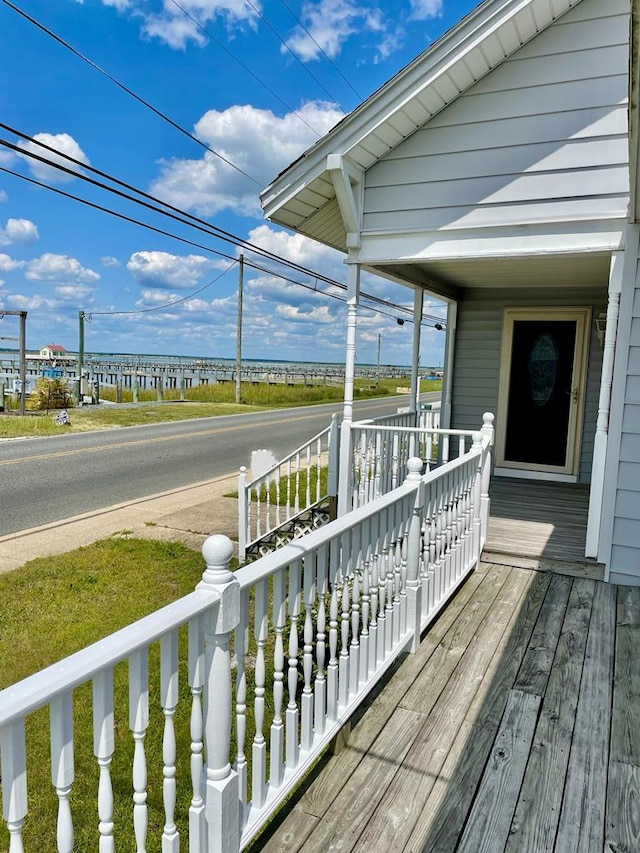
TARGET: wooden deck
(537,524)
(515,727)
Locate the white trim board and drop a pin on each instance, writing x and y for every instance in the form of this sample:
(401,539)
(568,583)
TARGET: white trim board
(520,474)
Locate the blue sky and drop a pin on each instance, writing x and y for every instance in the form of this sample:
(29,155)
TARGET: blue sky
(58,257)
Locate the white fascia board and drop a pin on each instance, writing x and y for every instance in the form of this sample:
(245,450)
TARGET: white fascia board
(400,89)
(553,239)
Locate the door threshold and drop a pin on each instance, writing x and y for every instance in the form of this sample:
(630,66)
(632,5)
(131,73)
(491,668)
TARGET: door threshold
(527,474)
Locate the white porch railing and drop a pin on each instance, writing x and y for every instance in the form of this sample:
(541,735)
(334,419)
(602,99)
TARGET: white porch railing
(382,448)
(288,490)
(343,601)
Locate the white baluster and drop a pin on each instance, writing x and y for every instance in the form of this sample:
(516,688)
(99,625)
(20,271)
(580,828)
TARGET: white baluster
(289,484)
(318,468)
(382,598)
(395,567)
(258,490)
(389,570)
(259,749)
(308,489)
(169,700)
(138,723)
(103,746)
(364,560)
(277,727)
(62,772)
(404,544)
(374,568)
(332,669)
(278,501)
(267,500)
(197,836)
(354,649)
(320,687)
(292,713)
(241,645)
(14,782)
(297,495)
(343,677)
(307,658)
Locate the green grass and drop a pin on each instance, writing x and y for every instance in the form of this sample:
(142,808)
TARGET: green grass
(51,608)
(204,401)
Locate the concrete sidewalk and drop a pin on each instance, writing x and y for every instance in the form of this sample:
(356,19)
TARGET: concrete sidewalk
(187,514)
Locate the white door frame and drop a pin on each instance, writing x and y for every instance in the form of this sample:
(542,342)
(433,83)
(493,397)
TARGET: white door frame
(569,471)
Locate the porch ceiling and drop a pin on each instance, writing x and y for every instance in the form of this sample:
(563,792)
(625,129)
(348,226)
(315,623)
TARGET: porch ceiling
(447,277)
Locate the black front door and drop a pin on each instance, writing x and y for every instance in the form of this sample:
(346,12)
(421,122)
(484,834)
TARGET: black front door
(540,392)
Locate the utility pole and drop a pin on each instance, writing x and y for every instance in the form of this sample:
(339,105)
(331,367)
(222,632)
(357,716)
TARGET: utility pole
(378,367)
(23,355)
(80,354)
(239,329)
(23,360)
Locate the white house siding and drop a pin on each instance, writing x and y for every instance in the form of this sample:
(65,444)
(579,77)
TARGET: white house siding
(622,483)
(541,138)
(477,355)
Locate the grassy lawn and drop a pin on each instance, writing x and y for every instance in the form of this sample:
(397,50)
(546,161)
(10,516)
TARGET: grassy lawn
(202,402)
(52,607)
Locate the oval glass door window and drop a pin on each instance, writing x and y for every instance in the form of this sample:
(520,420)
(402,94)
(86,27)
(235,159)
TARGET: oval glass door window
(543,369)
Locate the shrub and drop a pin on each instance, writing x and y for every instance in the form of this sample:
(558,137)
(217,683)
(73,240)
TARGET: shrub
(50,394)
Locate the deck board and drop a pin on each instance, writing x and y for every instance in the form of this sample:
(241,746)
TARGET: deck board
(536,520)
(431,778)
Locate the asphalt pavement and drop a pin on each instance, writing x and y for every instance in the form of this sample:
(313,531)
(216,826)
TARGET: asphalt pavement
(87,508)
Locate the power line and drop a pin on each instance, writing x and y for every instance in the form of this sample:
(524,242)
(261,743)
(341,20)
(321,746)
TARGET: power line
(192,243)
(295,56)
(326,56)
(130,92)
(196,222)
(90,314)
(244,67)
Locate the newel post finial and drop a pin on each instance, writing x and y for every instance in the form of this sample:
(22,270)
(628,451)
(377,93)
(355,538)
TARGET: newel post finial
(222,802)
(414,468)
(488,428)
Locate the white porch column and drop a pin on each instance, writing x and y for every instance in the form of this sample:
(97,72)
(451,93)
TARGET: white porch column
(449,352)
(418,298)
(344,482)
(604,404)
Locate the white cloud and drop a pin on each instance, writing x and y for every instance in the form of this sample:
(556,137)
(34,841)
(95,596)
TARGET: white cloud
(73,292)
(164,270)
(423,9)
(109,261)
(330,23)
(317,315)
(176,29)
(31,303)
(18,231)
(257,141)
(7,264)
(3,196)
(61,142)
(59,268)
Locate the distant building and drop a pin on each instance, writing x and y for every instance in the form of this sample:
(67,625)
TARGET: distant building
(52,351)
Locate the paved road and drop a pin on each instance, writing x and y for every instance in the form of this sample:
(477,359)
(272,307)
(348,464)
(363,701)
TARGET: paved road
(48,479)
